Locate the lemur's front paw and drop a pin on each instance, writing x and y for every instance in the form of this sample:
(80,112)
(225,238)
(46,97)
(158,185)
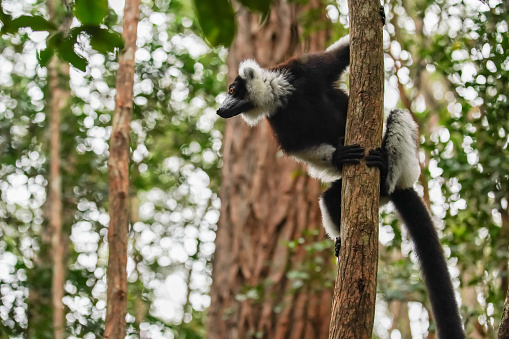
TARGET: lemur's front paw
(378,158)
(382,14)
(337,246)
(351,154)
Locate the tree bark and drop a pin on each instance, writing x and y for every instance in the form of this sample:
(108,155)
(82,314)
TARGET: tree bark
(58,99)
(401,320)
(353,306)
(267,202)
(118,175)
(503,331)
(60,95)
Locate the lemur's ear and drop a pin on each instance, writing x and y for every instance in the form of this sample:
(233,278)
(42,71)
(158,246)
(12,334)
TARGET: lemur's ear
(249,73)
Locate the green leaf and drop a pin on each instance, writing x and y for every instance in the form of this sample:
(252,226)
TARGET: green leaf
(260,6)
(55,40)
(45,55)
(103,40)
(67,53)
(4,18)
(217,21)
(90,12)
(36,23)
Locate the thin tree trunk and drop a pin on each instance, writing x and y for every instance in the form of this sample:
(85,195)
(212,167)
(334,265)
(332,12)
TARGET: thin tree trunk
(59,98)
(503,331)
(399,308)
(353,306)
(118,175)
(401,320)
(267,201)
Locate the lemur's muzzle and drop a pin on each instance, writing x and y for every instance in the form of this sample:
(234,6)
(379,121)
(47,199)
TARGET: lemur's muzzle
(232,106)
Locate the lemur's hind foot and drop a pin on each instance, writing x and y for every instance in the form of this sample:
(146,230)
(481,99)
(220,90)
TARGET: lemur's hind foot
(337,246)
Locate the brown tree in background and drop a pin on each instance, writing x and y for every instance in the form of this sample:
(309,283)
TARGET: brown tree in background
(353,306)
(267,201)
(118,175)
(503,331)
(58,83)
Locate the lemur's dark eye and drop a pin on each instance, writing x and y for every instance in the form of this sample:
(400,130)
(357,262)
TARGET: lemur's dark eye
(231,90)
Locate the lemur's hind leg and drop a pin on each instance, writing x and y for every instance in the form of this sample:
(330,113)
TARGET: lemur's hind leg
(330,206)
(378,158)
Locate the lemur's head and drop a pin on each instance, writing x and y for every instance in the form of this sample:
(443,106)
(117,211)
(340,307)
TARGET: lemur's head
(255,93)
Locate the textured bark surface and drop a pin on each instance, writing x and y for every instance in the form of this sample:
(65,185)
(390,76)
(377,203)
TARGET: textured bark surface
(58,71)
(267,201)
(59,98)
(353,306)
(401,320)
(503,331)
(118,175)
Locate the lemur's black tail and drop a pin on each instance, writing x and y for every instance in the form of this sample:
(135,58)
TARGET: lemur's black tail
(433,264)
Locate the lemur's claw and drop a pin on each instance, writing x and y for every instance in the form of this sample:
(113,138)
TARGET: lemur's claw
(337,247)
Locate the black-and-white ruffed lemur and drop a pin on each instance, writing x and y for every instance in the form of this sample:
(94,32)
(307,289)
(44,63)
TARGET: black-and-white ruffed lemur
(307,113)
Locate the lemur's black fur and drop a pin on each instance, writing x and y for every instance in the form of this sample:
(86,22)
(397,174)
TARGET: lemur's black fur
(307,113)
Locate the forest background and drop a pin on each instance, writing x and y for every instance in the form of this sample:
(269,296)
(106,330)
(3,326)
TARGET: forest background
(447,61)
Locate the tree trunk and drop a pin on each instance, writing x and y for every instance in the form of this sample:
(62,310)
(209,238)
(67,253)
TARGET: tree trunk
(399,308)
(118,175)
(267,202)
(59,99)
(503,331)
(401,320)
(353,306)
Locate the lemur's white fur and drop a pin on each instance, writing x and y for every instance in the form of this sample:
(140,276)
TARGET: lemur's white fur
(402,153)
(330,228)
(344,41)
(319,163)
(266,89)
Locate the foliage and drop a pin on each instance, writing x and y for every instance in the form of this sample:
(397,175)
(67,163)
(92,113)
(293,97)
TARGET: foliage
(91,14)
(174,174)
(448,58)
(217,20)
(443,56)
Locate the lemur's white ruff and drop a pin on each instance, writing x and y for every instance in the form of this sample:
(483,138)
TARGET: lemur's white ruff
(266,89)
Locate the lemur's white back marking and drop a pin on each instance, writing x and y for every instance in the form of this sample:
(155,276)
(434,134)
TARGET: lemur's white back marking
(344,41)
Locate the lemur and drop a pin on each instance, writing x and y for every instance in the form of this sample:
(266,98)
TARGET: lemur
(307,113)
